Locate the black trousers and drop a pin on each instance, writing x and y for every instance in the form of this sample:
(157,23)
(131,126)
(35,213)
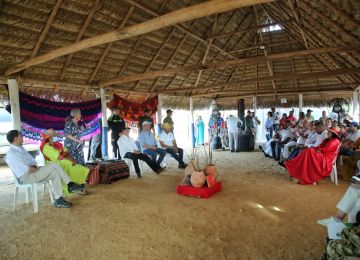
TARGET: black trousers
(116,150)
(136,157)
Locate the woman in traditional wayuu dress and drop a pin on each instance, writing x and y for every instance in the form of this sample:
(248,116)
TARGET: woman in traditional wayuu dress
(72,131)
(55,152)
(315,163)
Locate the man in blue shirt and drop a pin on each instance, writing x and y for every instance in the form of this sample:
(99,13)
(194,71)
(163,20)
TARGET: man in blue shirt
(149,145)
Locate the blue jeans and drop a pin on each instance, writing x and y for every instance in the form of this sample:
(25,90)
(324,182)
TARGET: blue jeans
(275,150)
(177,157)
(154,153)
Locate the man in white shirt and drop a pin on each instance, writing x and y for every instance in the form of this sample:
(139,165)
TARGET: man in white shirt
(128,149)
(168,142)
(308,116)
(26,170)
(286,136)
(233,124)
(353,131)
(320,135)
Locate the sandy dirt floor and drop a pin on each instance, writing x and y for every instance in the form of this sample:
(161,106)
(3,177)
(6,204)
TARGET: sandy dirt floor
(258,215)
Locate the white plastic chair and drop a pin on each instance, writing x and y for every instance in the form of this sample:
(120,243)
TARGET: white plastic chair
(34,190)
(333,175)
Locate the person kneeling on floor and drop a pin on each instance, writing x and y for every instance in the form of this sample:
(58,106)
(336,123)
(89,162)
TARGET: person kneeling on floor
(168,142)
(26,170)
(128,149)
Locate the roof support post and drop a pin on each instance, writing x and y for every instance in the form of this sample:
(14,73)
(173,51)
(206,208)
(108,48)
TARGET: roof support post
(301,102)
(355,104)
(192,125)
(14,104)
(158,115)
(104,130)
(254,103)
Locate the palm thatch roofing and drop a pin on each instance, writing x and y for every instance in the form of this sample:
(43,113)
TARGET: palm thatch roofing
(273,49)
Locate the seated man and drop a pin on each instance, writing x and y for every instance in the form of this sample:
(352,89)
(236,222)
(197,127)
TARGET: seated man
(26,171)
(286,136)
(128,149)
(168,142)
(148,144)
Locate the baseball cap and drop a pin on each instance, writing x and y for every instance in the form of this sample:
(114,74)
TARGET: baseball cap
(309,110)
(354,123)
(146,123)
(169,111)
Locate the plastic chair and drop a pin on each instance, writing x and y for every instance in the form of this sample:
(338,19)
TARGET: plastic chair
(34,190)
(333,175)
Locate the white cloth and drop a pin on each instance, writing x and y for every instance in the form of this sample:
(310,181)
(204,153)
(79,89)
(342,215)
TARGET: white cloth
(285,133)
(353,136)
(311,139)
(126,145)
(255,122)
(19,160)
(286,152)
(350,202)
(167,138)
(53,172)
(319,138)
(232,123)
(302,139)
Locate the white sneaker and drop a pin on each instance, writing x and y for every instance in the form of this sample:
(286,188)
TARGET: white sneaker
(327,221)
(91,160)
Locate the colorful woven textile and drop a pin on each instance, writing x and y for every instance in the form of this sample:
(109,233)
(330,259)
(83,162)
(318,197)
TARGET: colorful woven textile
(132,111)
(38,114)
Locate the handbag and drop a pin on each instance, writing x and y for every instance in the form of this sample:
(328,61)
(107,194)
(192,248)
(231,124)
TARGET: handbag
(94,175)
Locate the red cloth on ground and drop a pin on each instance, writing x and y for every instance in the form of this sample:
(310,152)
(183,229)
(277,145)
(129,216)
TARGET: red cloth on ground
(315,163)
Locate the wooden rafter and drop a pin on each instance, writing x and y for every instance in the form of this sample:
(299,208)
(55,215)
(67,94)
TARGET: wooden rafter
(257,47)
(216,65)
(46,28)
(108,46)
(79,36)
(179,16)
(249,92)
(250,28)
(285,76)
(299,22)
(343,14)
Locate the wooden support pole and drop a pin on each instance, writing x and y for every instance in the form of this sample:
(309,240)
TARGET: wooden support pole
(355,103)
(172,18)
(104,143)
(14,104)
(301,102)
(342,13)
(158,115)
(224,64)
(192,123)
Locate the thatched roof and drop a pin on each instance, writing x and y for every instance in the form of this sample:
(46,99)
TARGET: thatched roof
(224,56)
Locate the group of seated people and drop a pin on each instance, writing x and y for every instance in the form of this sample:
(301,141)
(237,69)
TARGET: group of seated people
(65,165)
(307,148)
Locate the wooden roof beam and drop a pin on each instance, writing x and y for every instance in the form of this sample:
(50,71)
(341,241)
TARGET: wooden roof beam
(46,28)
(216,65)
(340,12)
(251,28)
(329,87)
(284,76)
(179,16)
(108,46)
(79,36)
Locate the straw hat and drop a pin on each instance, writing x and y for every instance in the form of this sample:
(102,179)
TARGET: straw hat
(166,126)
(335,131)
(49,133)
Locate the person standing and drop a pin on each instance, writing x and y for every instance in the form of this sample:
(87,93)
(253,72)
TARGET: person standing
(249,125)
(26,170)
(168,119)
(146,117)
(308,116)
(269,126)
(128,149)
(233,124)
(116,125)
(200,128)
(73,140)
(256,123)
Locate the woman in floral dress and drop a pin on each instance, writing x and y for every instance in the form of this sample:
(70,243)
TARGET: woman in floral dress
(73,142)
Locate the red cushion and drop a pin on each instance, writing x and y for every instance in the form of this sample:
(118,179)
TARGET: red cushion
(204,192)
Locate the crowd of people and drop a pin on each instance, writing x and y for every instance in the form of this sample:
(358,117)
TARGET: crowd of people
(65,164)
(308,148)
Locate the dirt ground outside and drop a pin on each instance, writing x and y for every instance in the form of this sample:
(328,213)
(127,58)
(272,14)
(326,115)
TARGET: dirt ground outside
(258,215)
